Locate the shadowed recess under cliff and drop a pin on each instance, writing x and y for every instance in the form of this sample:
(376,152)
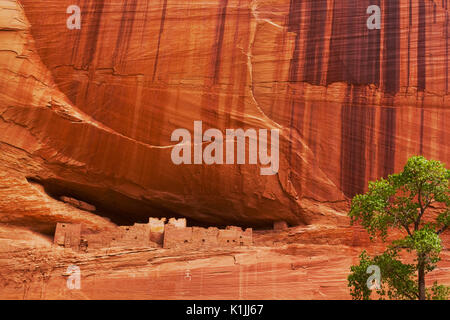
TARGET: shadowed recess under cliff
(114,206)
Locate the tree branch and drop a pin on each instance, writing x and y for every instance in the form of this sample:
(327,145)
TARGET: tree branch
(405,225)
(411,297)
(422,209)
(400,247)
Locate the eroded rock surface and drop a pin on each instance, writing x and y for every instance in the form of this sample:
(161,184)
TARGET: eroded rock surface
(301,263)
(91,111)
(88,114)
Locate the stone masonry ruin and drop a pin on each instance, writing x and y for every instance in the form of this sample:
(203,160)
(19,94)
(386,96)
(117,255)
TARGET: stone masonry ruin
(156,233)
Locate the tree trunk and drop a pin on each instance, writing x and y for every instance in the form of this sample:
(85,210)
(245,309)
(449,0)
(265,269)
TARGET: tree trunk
(422,290)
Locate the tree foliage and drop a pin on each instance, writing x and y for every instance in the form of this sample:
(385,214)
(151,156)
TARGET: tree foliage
(403,202)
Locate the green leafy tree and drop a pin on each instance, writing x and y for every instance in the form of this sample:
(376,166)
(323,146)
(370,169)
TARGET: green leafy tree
(415,202)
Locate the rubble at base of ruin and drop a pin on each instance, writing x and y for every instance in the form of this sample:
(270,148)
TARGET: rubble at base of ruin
(156,233)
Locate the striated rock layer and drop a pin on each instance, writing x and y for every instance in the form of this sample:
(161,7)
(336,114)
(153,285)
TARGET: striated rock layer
(303,263)
(89,113)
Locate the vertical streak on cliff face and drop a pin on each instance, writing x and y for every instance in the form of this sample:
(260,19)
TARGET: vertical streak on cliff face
(345,62)
(371,143)
(409,43)
(335,67)
(315,46)
(93,32)
(294,25)
(371,74)
(421,68)
(146,20)
(210,100)
(350,44)
(239,85)
(391,46)
(353,145)
(446,47)
(387,130)
(125,31)
(315,41)
(391,81)
(348,61)
(161,29)
(220,29)
(295,107)
(434,12)
(421,72)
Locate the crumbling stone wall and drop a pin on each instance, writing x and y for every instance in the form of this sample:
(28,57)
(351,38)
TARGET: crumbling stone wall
(174,234)
(202,237)
(157,229)
(79,239)
(68,235)
(179,223)
(137,235)
(177,237)
(196,237)
(97,240)
(234,236)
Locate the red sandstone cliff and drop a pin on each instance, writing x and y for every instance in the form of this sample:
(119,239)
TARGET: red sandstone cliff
(88,113)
